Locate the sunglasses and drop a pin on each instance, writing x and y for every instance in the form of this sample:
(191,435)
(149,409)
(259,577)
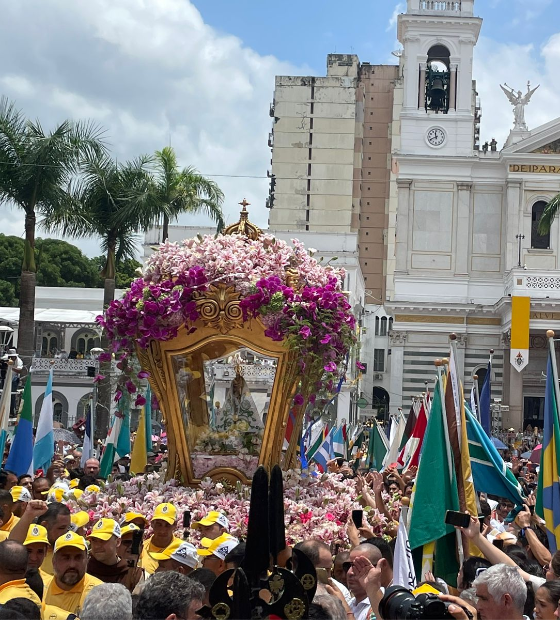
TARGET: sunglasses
(346,566)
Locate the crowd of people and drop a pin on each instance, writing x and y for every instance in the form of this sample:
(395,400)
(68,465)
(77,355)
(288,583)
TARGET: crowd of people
(57,564)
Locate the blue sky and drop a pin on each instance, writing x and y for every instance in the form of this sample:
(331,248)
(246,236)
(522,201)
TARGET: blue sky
(304,32)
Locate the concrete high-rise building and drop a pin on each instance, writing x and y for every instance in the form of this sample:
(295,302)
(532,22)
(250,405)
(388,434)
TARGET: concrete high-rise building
(331,157)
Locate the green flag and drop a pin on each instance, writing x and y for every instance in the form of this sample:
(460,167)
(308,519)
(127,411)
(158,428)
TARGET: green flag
(117,443)
(435,492)
(377,448)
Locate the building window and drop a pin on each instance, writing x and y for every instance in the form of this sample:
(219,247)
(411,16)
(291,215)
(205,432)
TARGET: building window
(369,157)
(58,412)
(84,341)
(49,344)
(379,360)
(538,242)
(380,325)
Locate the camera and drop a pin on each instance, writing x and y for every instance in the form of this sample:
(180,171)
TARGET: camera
(398,603)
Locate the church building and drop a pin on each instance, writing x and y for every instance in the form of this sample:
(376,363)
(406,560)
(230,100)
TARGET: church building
(447,227)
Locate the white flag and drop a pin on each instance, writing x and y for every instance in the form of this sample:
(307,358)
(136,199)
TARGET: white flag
(403,566)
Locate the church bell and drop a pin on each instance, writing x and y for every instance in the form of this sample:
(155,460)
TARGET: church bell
(437,86)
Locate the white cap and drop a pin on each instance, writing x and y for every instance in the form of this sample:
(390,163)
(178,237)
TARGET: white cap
(186,554)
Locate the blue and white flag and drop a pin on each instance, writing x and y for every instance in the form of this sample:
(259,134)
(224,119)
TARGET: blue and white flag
(325,452)
(339,445)
(43,450)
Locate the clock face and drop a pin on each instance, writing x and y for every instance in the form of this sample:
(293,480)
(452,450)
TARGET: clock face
(436,136)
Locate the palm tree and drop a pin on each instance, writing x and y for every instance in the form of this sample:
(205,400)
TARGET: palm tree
(37,174)
(111,202)
(549,214)
(183,191)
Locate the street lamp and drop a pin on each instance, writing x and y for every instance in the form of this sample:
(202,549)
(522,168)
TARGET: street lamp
(95,352)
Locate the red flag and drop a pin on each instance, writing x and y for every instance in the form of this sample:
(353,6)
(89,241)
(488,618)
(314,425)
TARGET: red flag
(414,446)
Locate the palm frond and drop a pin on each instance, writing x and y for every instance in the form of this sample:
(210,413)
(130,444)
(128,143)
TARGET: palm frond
(549,214)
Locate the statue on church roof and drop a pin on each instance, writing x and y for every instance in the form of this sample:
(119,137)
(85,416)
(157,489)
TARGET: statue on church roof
(519,101)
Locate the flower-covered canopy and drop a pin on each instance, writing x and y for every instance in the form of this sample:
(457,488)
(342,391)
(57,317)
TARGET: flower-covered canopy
(225,284)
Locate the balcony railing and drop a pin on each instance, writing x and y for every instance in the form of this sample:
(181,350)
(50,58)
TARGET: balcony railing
(440,5)
(533,283)
(62,366)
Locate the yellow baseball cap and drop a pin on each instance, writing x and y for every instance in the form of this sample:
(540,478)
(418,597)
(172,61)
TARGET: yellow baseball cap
(166,553)
(70,540)
(129,529)
(105,528)
(36,534)
(56,494)
(165,512)
(219,547)
(80,519)
(20,494)
(130,516)
(212,517)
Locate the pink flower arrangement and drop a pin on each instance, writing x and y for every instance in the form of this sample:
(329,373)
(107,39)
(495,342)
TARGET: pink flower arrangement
(314,507)
(313,317)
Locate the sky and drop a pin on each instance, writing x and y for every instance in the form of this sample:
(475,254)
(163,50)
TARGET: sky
(199,74)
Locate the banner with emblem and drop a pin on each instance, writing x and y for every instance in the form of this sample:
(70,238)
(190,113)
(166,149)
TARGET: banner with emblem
(519,348)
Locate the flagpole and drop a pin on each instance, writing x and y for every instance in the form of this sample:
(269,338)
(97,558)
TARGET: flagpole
(477,396)
(450,462)
(550,336)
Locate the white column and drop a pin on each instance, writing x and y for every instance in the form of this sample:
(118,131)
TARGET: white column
(514,222)
(403,224)
(463,229)
(397,341)
(422,86)
(513,417)
(453,88)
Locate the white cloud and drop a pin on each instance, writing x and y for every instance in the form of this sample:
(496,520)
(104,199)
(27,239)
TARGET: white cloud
(152,73)
(400,8)
(516,64)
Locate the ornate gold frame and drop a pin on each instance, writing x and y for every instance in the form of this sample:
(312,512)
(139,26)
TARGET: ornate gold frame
(221,322)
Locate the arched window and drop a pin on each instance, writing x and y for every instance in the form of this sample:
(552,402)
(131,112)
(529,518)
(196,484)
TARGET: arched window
(49,345)
(84,340)
(538,242)
(60,408)
(383,326)
(58,412)
(377,326)
(83,406)
(390,323)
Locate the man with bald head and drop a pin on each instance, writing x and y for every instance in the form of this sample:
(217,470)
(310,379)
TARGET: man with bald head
(13,566)
(369,555)
(91,468)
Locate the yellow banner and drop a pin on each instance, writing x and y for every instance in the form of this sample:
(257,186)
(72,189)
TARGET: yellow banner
(519,348)
(520,312)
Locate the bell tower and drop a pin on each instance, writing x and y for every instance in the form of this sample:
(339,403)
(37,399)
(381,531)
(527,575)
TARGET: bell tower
(439,101)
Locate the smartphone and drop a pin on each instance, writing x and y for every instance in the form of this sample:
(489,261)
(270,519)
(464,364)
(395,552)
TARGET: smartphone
(358,518)
(458,519)
(136,542)
(322,575)
(186,519)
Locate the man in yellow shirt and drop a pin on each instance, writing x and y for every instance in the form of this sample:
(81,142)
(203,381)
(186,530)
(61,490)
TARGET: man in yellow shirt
(13,566)
(7,504)
(70,584)
(37,545)
(213,525)
(163,525)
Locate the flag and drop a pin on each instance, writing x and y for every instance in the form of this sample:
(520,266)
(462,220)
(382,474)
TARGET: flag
(435,492)
(396,435)
(458,440)
(519,345)
(409,427)
(377,447)
(43,450)
(315,441)
(139,456)
(474,405)
(117,443)
(490,473)
(548,490)
(403,565)
(290,425)
(414,445)
(325,452)
(5,402)
(485,414)
(20,458)
(339,444)
(87,446)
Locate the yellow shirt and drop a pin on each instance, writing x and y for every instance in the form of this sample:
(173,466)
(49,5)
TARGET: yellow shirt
(69,600)
(4,536)
(46,566)
(146,561)
(17,589)
(10,524)
(50,612)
